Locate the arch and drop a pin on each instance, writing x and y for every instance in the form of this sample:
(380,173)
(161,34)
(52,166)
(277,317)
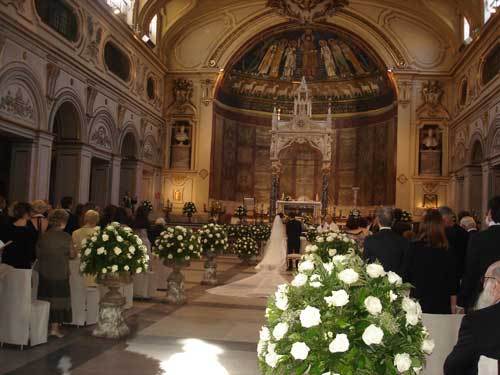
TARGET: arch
(71,105)
(476,151)
(102,132)
(19,74)
(493,138)
(129,144)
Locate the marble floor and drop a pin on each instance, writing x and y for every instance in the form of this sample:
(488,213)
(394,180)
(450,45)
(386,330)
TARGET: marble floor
(210,335)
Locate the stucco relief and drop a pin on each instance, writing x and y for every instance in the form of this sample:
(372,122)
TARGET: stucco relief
(16,102)
(101,138)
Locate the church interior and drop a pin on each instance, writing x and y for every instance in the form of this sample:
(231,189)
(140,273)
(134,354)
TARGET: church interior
(228,113)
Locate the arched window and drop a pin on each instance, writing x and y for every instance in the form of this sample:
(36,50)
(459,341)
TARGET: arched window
(153,29)
(150,88)
(117,61)
(491,65)
(58,15)
(466,29)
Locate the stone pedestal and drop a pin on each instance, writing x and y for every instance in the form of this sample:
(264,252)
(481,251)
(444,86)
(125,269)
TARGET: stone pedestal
(176,293)
(210,275)
(110,323)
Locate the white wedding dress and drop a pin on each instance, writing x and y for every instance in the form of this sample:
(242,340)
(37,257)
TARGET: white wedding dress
(264,282)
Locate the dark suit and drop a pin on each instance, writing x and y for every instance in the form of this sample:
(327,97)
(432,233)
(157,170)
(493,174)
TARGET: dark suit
(479,335)
(293,232)
(482,252)
(72,224)
(389,248)
(457,239)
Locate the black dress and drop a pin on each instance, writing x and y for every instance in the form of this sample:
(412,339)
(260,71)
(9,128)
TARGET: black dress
(431,271)
(21,252)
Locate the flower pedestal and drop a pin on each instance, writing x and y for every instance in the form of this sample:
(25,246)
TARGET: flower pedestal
(252,261)
(210,275)
(175,282)
(110,323)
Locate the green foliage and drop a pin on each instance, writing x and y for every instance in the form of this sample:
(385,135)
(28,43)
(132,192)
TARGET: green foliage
(213,237)
(113,249)
(260,232)
(178,244)
(245,247)
(241,212)
(189,209)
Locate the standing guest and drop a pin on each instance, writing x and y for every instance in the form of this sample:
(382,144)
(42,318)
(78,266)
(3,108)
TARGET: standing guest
(39,216)
(67,204)
(20,238)
(156,229)
(90,221)
(457,240)
(462,214)
(141,225)
(480,330)
(79,212)
(431,268)
(328,225)
(483,250)
(54,250)
(108,215)
(123,216)
(389,248)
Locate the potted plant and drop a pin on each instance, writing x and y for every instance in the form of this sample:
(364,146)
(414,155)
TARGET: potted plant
(189,210)
(213,241)
(343,317)
(113,254)
(328,244)
(177,246)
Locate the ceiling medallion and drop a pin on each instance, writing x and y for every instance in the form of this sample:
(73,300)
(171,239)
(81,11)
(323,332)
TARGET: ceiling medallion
(307,11)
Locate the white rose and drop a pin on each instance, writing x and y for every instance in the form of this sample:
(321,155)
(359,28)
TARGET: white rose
(264,334)
(299,280)
(338,298)
(282,302)
(101,250)
(338,259)
(170,256)
(272,359)
(105,237)
(119,238)
(375,270)
(373,305)
(138,270)
(84,242)
(373,335)
(339,344)
(114,268)
(417,370)
(82,266)
(126,268)
(299,350)
(428,346)
(104,270)
(394,278)
(315,284)
(329,238)
(320,239)
(87,252)
(110,227)
(310,317)
(117,250)
(179,237)
(187,257)
(392,296)
(402,362)
(328,267)
(131,249)
(261,346)
(411,319)
(348,276)
(280,331)
(332,252)
(306,265)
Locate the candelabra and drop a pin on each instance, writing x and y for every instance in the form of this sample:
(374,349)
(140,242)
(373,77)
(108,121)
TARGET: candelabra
(216,210)
(168,209)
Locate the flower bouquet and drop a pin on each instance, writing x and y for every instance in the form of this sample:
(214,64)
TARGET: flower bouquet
(406,217)
(112,254)
(343,317)
(246,248)
(213,241)
(311,234)
(148,206)
(176,246)
(189,210)
(241,212)
(328,244)
(260,232)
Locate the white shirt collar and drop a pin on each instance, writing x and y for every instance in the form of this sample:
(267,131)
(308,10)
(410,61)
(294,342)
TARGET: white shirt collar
(382,228)
(472,230)
(492,223)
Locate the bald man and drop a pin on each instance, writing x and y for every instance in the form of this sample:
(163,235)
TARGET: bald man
(480,330)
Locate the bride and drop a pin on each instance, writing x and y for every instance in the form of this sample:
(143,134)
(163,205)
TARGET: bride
(264,282)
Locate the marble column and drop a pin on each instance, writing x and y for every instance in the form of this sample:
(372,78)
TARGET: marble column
(43,158)
(115,180)
(487,182)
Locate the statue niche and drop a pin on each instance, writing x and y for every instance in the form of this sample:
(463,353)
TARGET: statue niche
(181,145)
(430,150)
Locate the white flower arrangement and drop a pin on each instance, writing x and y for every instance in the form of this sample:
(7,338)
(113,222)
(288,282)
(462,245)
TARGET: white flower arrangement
(213,238)
(358,320)
(113,249)
(245,247)
(329,244)
(189,209)
(241,212)
(177,244)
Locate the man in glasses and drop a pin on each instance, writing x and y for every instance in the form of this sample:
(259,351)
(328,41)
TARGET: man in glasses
(480,330)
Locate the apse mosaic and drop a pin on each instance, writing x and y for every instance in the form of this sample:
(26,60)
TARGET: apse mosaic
(337,68)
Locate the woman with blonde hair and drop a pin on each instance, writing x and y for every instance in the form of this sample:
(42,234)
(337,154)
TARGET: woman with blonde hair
(90,222)
(54,250)
(38,219)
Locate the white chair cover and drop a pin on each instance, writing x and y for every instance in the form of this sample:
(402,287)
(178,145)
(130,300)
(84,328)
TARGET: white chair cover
(23,320)
(488,366)
(84,300)
(145,285)
(444,331)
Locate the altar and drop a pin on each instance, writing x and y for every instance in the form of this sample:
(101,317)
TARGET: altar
(309,208)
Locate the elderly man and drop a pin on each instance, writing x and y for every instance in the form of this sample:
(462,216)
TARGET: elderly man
(386,246)
(328,225)
(480,330)
(483,250)
(469,224)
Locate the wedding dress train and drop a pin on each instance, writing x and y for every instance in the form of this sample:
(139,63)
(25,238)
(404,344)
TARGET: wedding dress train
(264,282)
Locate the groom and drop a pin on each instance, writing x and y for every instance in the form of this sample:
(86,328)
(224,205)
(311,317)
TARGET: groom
(293,232)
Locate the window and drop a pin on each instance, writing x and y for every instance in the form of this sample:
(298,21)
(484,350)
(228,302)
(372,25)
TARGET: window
(150,88)
(59,16)
(117,61)
(466,30)
(122,7)
(490,7)
(153,28)
(491,65)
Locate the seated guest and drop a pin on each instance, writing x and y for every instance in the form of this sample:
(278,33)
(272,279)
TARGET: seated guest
(123,216)
(67,204)
(54,249)
(431,268)
(483,250)
(90,221)
(389,248)
(4,214)
(480,330)
(457,240)
(39,216)
(353,229)
(19,238)
(328,225)
(462,214)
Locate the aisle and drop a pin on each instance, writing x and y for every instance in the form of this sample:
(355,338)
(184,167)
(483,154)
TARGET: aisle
(213,335)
